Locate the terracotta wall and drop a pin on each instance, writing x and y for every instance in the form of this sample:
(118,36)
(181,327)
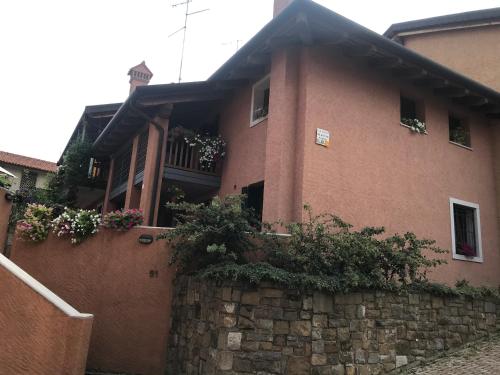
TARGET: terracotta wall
(377,172)
(246,146)
(126,285)
(5,207)
(473,51)
(40,333)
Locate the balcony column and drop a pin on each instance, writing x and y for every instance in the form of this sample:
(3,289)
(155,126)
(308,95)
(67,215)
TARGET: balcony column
(153,170)
(106,206)
(132,194)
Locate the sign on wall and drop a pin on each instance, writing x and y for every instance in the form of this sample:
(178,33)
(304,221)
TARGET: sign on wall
(322,137)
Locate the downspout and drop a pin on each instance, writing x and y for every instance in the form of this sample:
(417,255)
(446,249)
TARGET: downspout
(158,158)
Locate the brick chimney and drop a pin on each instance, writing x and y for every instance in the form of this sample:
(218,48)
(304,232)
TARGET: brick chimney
(140,75)
(279,5)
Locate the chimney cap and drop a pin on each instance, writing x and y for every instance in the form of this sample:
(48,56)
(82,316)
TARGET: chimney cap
(140,72)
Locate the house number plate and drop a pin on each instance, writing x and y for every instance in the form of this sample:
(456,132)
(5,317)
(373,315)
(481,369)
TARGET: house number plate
(322,137)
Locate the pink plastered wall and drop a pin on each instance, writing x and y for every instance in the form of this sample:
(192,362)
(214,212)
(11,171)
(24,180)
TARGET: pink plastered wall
(246,145)
(378,173)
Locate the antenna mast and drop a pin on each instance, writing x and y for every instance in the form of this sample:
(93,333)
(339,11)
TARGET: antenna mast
(184,29)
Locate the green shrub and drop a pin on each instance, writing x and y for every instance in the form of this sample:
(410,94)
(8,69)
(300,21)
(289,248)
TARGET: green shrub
(221,231)
(322,253)
(325,245)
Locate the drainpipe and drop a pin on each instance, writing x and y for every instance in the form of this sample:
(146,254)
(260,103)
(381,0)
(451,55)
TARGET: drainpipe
(158,158)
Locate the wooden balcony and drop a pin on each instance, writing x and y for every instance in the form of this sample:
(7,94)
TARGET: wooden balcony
(182,162)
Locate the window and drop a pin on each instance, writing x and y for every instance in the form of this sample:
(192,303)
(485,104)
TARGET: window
(459,131)
(410,110)
(465,231)
(260,101)
(28,180)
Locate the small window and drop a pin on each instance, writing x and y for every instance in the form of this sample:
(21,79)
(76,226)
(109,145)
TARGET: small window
(459,131)
(466,233)
(412,114)
(260,101)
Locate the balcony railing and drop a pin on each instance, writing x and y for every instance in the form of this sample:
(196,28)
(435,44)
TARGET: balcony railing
(181,155)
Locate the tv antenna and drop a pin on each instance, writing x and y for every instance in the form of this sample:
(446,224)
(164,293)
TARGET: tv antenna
(235,41)
(184,29)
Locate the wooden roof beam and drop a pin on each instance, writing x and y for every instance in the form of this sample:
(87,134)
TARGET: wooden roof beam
(451,92)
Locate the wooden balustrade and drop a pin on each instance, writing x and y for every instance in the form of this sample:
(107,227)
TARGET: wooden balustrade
(181,155)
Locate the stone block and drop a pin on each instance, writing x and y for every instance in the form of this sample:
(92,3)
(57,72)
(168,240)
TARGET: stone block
(318,346)
(320,320)
(229,307)
(271,292)
(234,340)
(250,298)
(229,321)
(307,303)
(361,312)
(226,293)
(298,366)
(401,360)
(490,307)
(338,370)
(264,324)
(318,359)
(349,299)
(224,360)
(300,328)
(281,327)
(322,303)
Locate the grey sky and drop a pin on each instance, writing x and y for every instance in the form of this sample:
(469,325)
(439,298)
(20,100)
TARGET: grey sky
(59,55)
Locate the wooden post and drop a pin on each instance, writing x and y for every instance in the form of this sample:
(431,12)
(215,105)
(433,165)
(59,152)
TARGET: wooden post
(153,170)
(132,192)
(106,207)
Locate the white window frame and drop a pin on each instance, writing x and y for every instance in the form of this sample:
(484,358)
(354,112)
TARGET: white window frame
(479,257)
(259,120)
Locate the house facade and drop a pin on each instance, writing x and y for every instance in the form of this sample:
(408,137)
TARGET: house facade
(30,173)
(317,110)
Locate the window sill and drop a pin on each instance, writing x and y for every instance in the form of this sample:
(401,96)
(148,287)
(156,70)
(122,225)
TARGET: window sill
(408,127)
(461,145)
(477,259)
(258,121)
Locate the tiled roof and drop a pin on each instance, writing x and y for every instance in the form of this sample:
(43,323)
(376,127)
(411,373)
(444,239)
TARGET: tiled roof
(25,161)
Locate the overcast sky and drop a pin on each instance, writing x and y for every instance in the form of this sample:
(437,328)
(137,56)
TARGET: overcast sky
(56,56)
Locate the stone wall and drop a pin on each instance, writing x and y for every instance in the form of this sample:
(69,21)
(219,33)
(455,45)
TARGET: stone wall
(232,329)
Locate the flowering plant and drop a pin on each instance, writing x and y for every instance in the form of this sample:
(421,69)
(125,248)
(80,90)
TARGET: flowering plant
(76,224)
(212,148)
(415,125)
(124,219)
(35,225)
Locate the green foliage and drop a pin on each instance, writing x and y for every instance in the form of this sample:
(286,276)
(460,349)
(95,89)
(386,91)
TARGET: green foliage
(321,253)
(325,245)
(221,231)
(72,173)
(5,182)
(35,225)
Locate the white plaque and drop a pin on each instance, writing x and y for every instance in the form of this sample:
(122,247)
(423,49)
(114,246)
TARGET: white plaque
(322,137)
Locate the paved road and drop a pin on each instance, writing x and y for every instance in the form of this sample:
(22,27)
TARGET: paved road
(478,359)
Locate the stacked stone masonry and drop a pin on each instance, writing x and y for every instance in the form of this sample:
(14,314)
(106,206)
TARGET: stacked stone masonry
(234,329)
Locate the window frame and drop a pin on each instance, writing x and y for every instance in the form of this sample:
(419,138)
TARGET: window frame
(464,122)
(479,257)
(260,119)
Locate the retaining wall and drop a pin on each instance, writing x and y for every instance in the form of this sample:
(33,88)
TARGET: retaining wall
(231,329)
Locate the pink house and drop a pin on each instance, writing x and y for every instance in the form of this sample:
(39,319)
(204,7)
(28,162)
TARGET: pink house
(317,109)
